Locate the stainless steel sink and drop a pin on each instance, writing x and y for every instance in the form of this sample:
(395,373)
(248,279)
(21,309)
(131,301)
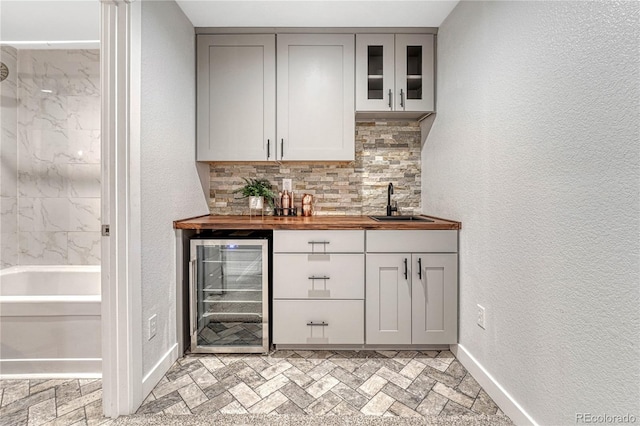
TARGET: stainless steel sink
(401,219)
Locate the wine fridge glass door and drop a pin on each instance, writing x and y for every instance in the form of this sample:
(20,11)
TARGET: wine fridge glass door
(229,296)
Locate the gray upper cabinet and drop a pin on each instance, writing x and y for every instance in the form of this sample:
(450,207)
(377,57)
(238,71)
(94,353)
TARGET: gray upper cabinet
(236,98)
(395,72)
(316,115)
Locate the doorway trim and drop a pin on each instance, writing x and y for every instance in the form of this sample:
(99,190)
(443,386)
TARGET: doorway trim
(121,269)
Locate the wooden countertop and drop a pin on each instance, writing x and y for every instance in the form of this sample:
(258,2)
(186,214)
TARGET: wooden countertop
(313,222)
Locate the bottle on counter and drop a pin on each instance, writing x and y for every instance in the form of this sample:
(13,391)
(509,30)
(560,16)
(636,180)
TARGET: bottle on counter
(307,205)
(286,203)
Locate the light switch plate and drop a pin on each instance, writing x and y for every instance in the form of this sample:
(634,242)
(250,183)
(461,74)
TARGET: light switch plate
(153,326)
(481,317)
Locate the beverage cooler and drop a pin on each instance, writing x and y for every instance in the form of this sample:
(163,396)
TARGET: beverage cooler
(229,293)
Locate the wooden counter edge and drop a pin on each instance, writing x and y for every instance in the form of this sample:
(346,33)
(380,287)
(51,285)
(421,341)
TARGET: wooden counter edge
(367,223)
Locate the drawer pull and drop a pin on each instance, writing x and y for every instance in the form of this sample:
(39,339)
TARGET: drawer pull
(323,243)
(318,324)
(324,293)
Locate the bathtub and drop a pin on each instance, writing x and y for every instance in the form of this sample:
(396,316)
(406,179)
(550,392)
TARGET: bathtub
(50,322)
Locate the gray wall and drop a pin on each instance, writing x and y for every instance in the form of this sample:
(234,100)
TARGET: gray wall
(170,186)
(535,149)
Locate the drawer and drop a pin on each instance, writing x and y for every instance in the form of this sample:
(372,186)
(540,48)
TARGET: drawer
(318,241)
(343,322)
(436,241)
(308,276)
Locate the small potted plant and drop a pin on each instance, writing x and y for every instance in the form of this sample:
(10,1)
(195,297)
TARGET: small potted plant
(257,190)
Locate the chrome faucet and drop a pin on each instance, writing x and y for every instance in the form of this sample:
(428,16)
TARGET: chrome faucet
(390,208)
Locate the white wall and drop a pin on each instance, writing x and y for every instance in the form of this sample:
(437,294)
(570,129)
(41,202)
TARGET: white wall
(535,149)
(170,186)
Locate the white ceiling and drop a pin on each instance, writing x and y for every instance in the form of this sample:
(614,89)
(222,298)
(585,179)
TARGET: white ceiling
(316,13)
(27,23)
(38,23)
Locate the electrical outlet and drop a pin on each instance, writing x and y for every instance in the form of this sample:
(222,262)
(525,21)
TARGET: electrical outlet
(153,326)
(481,317)
(287,185)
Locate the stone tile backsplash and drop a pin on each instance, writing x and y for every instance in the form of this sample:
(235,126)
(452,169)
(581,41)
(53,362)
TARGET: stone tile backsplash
(385,151)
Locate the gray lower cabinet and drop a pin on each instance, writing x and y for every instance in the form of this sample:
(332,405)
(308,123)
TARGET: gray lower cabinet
(411,298)
(388,299)
(318,322)
(344,288)
(434,298)
(318,287)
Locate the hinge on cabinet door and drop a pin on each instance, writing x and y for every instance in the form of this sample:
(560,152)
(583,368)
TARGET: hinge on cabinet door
(105,230)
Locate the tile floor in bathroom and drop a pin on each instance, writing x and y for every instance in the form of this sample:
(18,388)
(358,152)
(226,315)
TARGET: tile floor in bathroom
(345,383)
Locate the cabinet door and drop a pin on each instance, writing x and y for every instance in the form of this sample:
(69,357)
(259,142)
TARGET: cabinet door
(236,98)
(414,72)
(374,72)
(388,299)
(316,116)
(434,299)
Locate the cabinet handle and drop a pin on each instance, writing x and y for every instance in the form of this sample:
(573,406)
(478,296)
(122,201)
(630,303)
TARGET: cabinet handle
(320,242)
(420,268)
(319,278)
(401,98)
(268,149)
(406,270)
(318,324)
(390,96)
(281,149)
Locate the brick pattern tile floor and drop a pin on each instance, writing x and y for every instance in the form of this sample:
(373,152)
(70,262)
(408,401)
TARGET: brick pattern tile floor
(343,383)
(346,383)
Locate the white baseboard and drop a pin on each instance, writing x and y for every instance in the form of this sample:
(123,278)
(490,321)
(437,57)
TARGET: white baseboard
(495,390)
(158,370)
(51,368)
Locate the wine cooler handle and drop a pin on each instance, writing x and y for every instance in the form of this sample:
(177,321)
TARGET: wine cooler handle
(192,296)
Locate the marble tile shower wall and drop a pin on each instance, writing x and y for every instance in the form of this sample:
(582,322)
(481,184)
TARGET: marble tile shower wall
(58,153)
(385,152)
(9,160)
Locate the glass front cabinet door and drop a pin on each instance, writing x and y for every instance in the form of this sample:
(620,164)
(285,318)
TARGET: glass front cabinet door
(395,72)
(229,296)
